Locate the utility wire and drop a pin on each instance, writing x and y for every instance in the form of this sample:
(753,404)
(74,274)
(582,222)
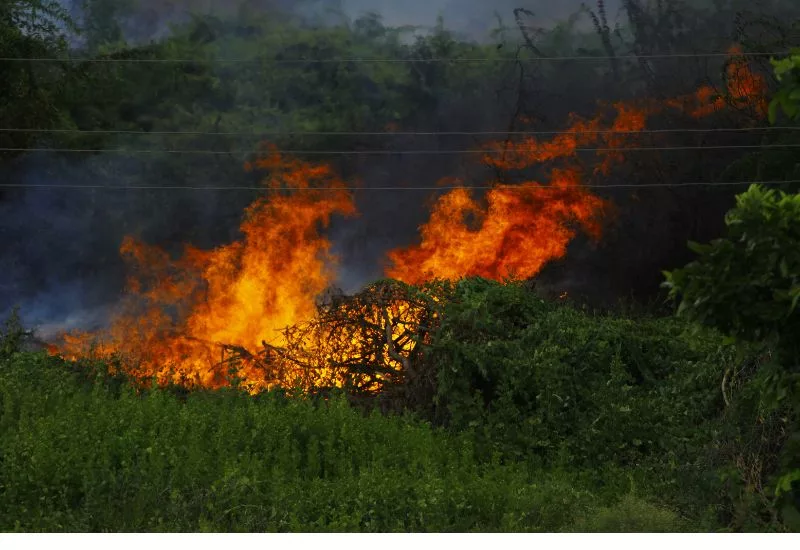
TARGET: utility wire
(395,188)
(398,133)
(396,60)
(402,152)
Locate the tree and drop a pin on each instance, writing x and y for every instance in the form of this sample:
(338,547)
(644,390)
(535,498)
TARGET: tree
(747,284)
(787,99)
(30,94)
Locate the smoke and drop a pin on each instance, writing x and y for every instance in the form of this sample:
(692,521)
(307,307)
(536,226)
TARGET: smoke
(59,247)
(60,253)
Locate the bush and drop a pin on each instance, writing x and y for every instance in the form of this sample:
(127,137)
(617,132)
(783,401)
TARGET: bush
(548,414)
(536,378)
(787,98)
(632,515)
(86,458)
(12,335)
(747,284)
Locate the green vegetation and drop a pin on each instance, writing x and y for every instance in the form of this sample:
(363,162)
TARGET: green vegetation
(746,284)
(530,414)
(547,419)
(83,455)
(787,98)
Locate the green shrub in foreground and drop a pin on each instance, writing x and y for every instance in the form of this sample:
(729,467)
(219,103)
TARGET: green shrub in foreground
(532,377)
(89,458)
(631,515)
(747,284)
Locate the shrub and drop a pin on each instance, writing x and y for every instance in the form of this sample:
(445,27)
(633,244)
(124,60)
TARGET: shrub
(632,515)
(86,458)
(12,335)
(542,381)
(747,284)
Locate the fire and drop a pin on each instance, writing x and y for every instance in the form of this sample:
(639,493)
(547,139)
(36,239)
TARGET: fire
(182,316)
(255,310)
(745,89)
(595,132)
(516,230)
(369,341)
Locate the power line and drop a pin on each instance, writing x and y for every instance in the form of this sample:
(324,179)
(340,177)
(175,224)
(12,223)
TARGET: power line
(394,188)
(395,60)
(398,133)
(402,152)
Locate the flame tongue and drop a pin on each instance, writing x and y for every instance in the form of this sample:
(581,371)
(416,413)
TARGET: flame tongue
(192,320)
(181,316)
(520,229)
(745,90)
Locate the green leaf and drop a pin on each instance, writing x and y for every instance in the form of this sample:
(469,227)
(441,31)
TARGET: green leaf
(698,248)
(773,112)
(784,484)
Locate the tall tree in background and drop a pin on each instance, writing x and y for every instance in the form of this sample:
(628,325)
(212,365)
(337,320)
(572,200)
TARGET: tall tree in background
(30,94)
(747,284)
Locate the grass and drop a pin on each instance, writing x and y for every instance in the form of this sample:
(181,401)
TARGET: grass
(95,456)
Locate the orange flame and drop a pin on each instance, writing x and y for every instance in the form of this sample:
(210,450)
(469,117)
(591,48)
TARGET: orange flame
(582,133)
(180,312)
(745,89)
(249,309)
(518,231)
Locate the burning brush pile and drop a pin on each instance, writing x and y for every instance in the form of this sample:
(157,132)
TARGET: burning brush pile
(259,311)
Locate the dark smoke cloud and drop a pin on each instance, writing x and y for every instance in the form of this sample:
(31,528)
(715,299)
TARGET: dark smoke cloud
(60,255)
(60,259)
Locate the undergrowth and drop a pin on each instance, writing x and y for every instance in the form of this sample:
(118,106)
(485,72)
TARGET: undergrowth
(545,418)
(97,457)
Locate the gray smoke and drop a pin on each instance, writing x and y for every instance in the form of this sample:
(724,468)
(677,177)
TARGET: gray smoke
(60,257)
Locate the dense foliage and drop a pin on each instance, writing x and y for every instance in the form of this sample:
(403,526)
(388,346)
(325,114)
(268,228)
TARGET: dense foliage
(541,378)
(94,455)
(531,413)
(746,284)
(787,98)
(546,418)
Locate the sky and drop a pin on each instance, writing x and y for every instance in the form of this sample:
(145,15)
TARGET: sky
(471,16)
(475,18)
